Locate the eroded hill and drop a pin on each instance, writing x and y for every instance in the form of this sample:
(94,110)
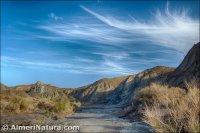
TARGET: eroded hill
(188,70)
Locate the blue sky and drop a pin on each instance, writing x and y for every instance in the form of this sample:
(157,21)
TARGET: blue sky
(73,43)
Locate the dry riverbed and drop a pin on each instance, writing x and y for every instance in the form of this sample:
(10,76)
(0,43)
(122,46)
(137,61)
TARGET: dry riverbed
(99,118)
(104,119)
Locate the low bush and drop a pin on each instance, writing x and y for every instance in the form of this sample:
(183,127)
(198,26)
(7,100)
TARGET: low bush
(17,104)
(63,105)
(59,105)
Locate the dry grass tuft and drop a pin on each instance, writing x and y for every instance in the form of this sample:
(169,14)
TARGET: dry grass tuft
(171,109)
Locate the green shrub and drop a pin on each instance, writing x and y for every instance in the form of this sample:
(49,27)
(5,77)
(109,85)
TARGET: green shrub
(63,105)
(59,105)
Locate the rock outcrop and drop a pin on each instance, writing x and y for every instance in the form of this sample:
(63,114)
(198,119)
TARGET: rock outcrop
(40,89)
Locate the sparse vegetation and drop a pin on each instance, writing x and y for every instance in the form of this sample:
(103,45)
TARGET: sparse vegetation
(59,105)
(15,104)
(19,102)
(171,109)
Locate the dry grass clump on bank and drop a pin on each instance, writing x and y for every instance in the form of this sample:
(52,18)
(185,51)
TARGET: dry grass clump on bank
(171,109)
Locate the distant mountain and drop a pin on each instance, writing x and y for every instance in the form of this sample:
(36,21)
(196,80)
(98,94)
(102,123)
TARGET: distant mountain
(188,70)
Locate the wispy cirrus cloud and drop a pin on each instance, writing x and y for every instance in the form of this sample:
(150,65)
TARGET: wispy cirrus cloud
(176,30)
(173,29)
(113,55)
(89,32)
(117,63)
(77,65)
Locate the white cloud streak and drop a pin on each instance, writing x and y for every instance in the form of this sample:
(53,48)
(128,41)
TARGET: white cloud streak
(94,32)
(176,30)
(110,63)
(113,55)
